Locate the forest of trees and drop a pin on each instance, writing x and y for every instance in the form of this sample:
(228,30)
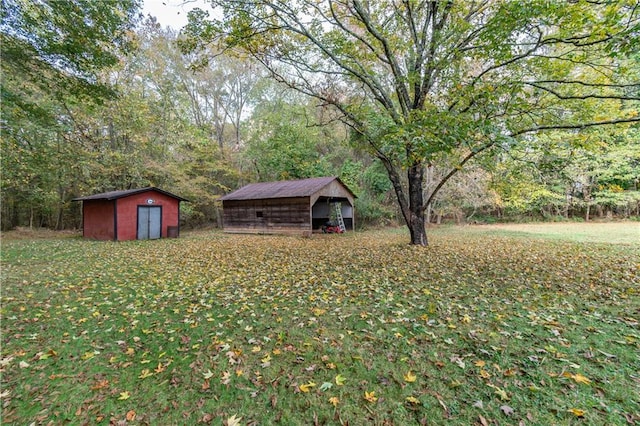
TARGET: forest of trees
(120,103)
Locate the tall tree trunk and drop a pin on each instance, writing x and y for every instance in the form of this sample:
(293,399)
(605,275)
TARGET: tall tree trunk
(413,209)
(415,175)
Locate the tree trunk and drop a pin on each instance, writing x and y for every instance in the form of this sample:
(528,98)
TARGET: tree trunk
(413,210)
(417,229)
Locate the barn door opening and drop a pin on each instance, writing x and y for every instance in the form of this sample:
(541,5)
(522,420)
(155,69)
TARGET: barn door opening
(149,222)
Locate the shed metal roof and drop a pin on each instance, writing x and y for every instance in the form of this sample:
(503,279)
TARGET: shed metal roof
(283,189)
(114,195)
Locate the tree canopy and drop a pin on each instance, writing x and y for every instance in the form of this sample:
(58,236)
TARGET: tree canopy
(60,47)
(420,82)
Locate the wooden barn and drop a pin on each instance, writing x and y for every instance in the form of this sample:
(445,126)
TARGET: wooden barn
(288,207)
(142,214)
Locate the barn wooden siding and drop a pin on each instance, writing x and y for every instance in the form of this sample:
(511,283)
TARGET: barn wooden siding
(282,215)
(286,207)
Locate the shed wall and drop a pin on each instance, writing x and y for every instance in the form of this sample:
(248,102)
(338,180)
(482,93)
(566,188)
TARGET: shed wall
(98,219)
(127,216)
(267,216)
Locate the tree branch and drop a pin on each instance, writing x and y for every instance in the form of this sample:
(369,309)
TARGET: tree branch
(575,126)
(455,170)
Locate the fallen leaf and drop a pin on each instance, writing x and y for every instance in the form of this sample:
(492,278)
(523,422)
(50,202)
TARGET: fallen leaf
(145,373)
(100,385)
(124,396)
(233,421)
(326,386)
(412,400)
(506,410)
(334,401)
(340,380)
(307,387)
(131,415)
(579,378)
(370,396)
(410,377)
(208,374)
(576,412)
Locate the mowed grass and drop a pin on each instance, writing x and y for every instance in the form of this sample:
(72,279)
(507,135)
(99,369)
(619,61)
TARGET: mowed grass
(479,328)
(594,232)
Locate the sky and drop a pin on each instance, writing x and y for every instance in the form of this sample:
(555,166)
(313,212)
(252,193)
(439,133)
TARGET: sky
(172,13)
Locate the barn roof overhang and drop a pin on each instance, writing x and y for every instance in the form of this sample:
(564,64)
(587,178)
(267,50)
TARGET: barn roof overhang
(114,195)
(285,189)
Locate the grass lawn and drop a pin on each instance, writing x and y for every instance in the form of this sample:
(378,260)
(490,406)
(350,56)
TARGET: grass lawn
(488,325)
(595,232)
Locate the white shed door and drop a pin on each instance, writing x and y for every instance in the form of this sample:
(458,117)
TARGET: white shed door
(149,222)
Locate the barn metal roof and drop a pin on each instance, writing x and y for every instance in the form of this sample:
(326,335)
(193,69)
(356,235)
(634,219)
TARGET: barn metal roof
(283,189)
(114,195)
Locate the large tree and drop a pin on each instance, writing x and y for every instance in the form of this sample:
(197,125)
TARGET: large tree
(60,47)
(421,81)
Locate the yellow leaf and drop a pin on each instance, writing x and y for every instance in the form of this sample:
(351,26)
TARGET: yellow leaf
(317,311)
(334,401)
(484,374)
(239,372)
(307,387)
(410,377)
(579,378)
(340,380)
(500,392)
(124,396)
(370,396)
(412,400)
(88,355)
(576,412)
(145,373)
(480,363)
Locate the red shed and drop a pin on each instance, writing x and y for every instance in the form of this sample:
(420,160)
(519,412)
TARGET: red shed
(143,214)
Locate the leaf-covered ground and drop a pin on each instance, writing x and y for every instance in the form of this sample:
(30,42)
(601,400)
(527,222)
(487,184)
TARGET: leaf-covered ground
(353,329)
